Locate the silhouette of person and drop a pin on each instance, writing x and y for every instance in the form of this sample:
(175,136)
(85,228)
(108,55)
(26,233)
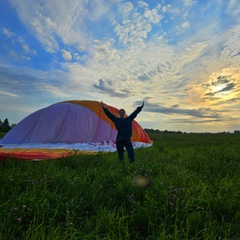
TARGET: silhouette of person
(124,127)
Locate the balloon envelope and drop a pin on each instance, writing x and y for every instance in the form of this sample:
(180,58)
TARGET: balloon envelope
(75,125)
(69,122)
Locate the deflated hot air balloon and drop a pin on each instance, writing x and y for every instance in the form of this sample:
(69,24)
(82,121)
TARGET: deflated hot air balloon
(60,128)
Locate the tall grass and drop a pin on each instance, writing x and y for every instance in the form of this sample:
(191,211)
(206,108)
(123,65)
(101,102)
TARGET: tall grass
(186,186)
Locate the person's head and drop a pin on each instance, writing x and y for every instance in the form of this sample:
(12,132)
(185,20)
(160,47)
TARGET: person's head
(121,113)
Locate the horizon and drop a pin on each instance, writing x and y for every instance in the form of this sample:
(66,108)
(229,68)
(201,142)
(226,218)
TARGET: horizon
(182,58)
(236,131)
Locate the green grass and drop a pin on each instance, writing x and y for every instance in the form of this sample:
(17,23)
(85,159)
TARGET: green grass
(186,186)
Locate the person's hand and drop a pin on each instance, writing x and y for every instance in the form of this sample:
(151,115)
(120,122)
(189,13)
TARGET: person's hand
(102,104)
(142,104)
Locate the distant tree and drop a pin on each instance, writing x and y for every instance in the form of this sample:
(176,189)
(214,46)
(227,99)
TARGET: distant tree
(147,130)
(165,131)
(5,127)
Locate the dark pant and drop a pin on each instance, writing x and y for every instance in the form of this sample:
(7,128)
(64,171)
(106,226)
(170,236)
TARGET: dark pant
(121,143)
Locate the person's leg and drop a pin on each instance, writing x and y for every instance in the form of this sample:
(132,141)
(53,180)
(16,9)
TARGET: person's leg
(120,150)
(130,150)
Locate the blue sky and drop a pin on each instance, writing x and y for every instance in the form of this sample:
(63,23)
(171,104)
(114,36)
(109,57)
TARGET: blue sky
(181,57)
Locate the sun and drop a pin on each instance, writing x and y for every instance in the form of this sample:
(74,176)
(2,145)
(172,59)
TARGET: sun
(223,84)
(219,89)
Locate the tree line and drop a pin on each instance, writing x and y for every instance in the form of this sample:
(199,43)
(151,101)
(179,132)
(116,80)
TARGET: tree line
(5,126)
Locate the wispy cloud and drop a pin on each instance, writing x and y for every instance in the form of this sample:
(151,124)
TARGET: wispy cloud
(200,112)
(121,93)
(8,33)
(2,93)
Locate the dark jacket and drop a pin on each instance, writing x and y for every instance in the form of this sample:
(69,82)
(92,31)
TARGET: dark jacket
(123,125)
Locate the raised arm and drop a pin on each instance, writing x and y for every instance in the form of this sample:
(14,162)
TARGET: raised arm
(137,111)
(107,112)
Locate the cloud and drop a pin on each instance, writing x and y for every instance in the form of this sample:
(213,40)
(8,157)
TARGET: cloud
(18,57)
(51,22)
(134,27)
(189,3)
(109,90)
(76,57)
(27,50)
(16,42)
(66,55)
(221,85)
(8,33)
(200,112)
(186,24)
(143,4)
(228,87)
(26,82)
(232,7)
(153,16)
(3,93)
(104,51)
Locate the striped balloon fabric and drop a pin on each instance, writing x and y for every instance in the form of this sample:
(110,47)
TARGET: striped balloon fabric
(62,128)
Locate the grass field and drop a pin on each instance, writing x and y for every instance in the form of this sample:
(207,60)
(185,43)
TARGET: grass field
(186,186)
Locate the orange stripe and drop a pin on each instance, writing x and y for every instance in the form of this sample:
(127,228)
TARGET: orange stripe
(37,153)
(97,108)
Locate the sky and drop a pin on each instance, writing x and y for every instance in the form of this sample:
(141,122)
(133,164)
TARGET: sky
(181,57)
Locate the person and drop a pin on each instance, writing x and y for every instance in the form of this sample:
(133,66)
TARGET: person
(124,127)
